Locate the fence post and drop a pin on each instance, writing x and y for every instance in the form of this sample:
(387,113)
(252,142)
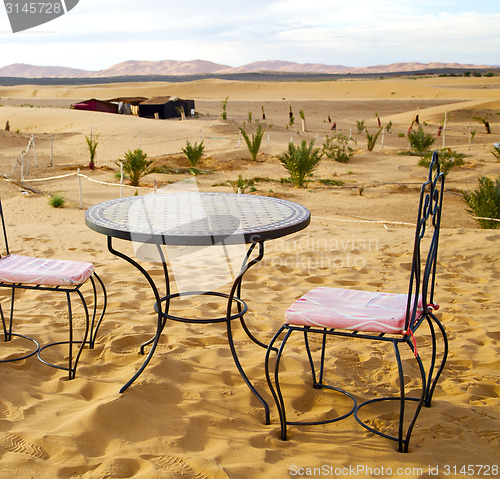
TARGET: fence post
(80,188)
(444,130)
(34,148)
(51,148)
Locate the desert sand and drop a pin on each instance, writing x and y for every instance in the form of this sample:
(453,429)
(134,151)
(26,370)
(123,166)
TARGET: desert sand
(190,414)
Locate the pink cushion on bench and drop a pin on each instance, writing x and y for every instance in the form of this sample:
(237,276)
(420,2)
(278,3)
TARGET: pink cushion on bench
(51,272)
(350,309)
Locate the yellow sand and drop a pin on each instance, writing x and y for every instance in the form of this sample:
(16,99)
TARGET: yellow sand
(190,414)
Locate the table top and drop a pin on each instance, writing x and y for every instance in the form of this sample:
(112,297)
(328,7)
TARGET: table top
(197,218)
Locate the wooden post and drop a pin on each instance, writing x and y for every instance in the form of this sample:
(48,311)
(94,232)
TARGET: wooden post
(51,148)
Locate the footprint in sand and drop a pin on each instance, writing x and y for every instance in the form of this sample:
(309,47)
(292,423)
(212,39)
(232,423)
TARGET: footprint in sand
(13,443)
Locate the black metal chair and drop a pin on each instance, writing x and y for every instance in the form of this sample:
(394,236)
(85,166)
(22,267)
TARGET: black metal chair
(383,317)
(29,273)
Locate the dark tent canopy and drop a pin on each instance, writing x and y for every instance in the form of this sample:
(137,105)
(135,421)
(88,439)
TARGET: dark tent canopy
(165,107)
(96,105)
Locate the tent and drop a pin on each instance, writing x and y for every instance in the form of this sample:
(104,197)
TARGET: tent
(163,107)
(96,105)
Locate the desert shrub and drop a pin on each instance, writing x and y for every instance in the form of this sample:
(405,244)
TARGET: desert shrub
(337,148)
(136,165)
(224,107)
(496,151)
(420,141)
(92,142)
(241,184)
(327,181)
(371,139)
(193,152)
(361,125)
(301,161)
(485,122)
(484,202)
(447,160)
(56,201)
(253,144)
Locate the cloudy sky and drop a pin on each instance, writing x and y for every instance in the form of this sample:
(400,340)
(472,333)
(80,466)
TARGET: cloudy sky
(99,33)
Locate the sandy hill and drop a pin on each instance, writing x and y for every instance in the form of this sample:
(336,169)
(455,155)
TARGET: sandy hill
(172,67)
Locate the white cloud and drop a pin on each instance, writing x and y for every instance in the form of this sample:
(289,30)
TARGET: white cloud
(96,34)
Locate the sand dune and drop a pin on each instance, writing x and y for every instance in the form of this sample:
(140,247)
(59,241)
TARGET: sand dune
(190,414)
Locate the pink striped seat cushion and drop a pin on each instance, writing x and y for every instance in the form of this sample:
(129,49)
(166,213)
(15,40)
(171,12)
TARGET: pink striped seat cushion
(51,272)
(350,309)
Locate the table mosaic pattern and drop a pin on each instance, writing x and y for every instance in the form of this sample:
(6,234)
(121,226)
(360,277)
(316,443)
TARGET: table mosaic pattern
(197,218)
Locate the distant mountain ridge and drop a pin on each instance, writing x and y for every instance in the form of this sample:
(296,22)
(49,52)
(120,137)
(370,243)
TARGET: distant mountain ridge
(174,67)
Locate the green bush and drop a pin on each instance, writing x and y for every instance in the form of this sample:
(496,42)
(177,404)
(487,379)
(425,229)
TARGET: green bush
(92,142)
(447,160)
(361,125)
(194,152)
(420,141)
(337,148)
(496,151)
(224,108)
(253,143)
(241,184)
(136,165)
(56,201)
(484,202)
(371,139)
(301,161)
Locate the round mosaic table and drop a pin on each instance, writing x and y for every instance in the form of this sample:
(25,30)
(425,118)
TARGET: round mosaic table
(198,219)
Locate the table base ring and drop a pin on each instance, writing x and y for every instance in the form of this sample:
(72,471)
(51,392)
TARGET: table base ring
(242,305)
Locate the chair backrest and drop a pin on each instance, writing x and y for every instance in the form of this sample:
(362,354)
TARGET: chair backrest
(423,270)
(6,243)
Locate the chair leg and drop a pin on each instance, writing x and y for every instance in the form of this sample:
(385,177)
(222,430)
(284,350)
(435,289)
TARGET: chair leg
(7,331)
(276,389)
(431,383)
(72,364)
(402,439)
(72,367)
(94,328)
(405,441)
(276,392)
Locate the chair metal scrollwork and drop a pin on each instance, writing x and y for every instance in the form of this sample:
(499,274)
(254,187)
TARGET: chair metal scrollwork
(377,316)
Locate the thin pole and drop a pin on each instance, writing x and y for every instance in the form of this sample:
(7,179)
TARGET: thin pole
(121,178)
(34,149)
(51,148)
(444,129)
(80,189)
